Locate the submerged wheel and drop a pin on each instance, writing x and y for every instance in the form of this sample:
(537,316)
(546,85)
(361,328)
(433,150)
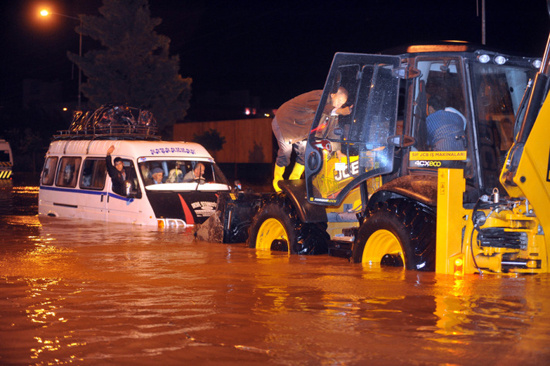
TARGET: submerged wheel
(272,235)
(397,233)
(277,227)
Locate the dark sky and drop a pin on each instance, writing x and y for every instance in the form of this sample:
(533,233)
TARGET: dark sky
(276,49)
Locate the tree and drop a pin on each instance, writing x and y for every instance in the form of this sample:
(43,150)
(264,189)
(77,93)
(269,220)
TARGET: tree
(30,134)
(211,140)
(133,66)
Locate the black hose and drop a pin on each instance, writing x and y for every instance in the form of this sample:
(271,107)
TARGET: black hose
(476,228)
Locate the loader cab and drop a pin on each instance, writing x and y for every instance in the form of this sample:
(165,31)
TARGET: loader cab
(482,89)
(425,107)
(344,150)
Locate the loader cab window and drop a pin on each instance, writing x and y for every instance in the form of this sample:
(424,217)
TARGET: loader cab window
(341,125)
(335,120)
(348,142)
(498,90)
(440,117)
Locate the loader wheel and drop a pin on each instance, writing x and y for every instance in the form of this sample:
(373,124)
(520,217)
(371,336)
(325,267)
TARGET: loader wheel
(397,233)
(272,235)
(277,227)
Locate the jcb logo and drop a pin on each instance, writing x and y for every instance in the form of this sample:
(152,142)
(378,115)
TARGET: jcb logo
(341,174)
(427,164)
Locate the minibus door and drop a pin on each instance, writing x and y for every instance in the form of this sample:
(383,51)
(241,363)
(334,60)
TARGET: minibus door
(94,186)
(128,207)
(121,208)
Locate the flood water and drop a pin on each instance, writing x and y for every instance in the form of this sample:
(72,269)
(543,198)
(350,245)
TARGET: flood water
(102,294)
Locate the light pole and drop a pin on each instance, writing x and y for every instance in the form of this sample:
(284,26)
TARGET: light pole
(45,13)
(483,32)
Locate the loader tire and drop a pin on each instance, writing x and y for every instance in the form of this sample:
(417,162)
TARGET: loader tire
(397,233)
(277,227)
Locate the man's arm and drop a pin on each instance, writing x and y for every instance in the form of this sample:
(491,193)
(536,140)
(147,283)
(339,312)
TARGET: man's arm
(109,164)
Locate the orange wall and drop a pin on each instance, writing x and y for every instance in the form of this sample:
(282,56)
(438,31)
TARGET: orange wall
(246,140)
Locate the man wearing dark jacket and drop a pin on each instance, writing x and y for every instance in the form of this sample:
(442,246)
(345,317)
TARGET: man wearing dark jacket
(119,175)
(292,124)
(445,126)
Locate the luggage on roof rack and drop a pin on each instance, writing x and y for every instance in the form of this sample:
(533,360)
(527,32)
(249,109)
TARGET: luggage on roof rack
(112,120)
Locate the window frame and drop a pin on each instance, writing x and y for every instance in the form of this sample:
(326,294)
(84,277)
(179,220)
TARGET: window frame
(64,162)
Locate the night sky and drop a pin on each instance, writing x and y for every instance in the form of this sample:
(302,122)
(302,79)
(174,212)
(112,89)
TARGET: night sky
(275,49)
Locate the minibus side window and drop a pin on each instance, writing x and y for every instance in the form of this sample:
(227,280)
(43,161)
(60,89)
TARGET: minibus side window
(67,172)
(131,177)
(93,174)
(48,173)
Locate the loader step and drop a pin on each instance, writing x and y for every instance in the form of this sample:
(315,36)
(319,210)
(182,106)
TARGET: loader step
(340,248)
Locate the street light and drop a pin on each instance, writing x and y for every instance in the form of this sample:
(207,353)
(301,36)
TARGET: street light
(46,13)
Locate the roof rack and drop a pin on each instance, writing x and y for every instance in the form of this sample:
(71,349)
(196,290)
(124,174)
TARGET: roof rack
(112,122)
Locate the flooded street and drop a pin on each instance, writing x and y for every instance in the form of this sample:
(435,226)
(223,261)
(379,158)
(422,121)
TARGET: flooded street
(74,292)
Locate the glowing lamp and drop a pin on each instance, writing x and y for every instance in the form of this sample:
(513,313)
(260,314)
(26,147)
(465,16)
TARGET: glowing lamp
(500,60)
(484,58)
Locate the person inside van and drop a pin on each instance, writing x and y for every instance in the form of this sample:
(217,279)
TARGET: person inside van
(68,174)
(120,177)
(195,175)
(176,174)
(156,174)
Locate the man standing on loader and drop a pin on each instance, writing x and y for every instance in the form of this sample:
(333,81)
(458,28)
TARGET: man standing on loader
(292,124)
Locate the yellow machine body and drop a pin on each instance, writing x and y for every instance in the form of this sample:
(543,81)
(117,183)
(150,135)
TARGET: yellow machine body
(462,246)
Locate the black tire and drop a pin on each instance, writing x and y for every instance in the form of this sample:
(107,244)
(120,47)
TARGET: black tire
(405,222)
(299,238)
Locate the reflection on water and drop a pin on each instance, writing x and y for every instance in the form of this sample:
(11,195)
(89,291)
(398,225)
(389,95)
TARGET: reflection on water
(75,292)
(17,199)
